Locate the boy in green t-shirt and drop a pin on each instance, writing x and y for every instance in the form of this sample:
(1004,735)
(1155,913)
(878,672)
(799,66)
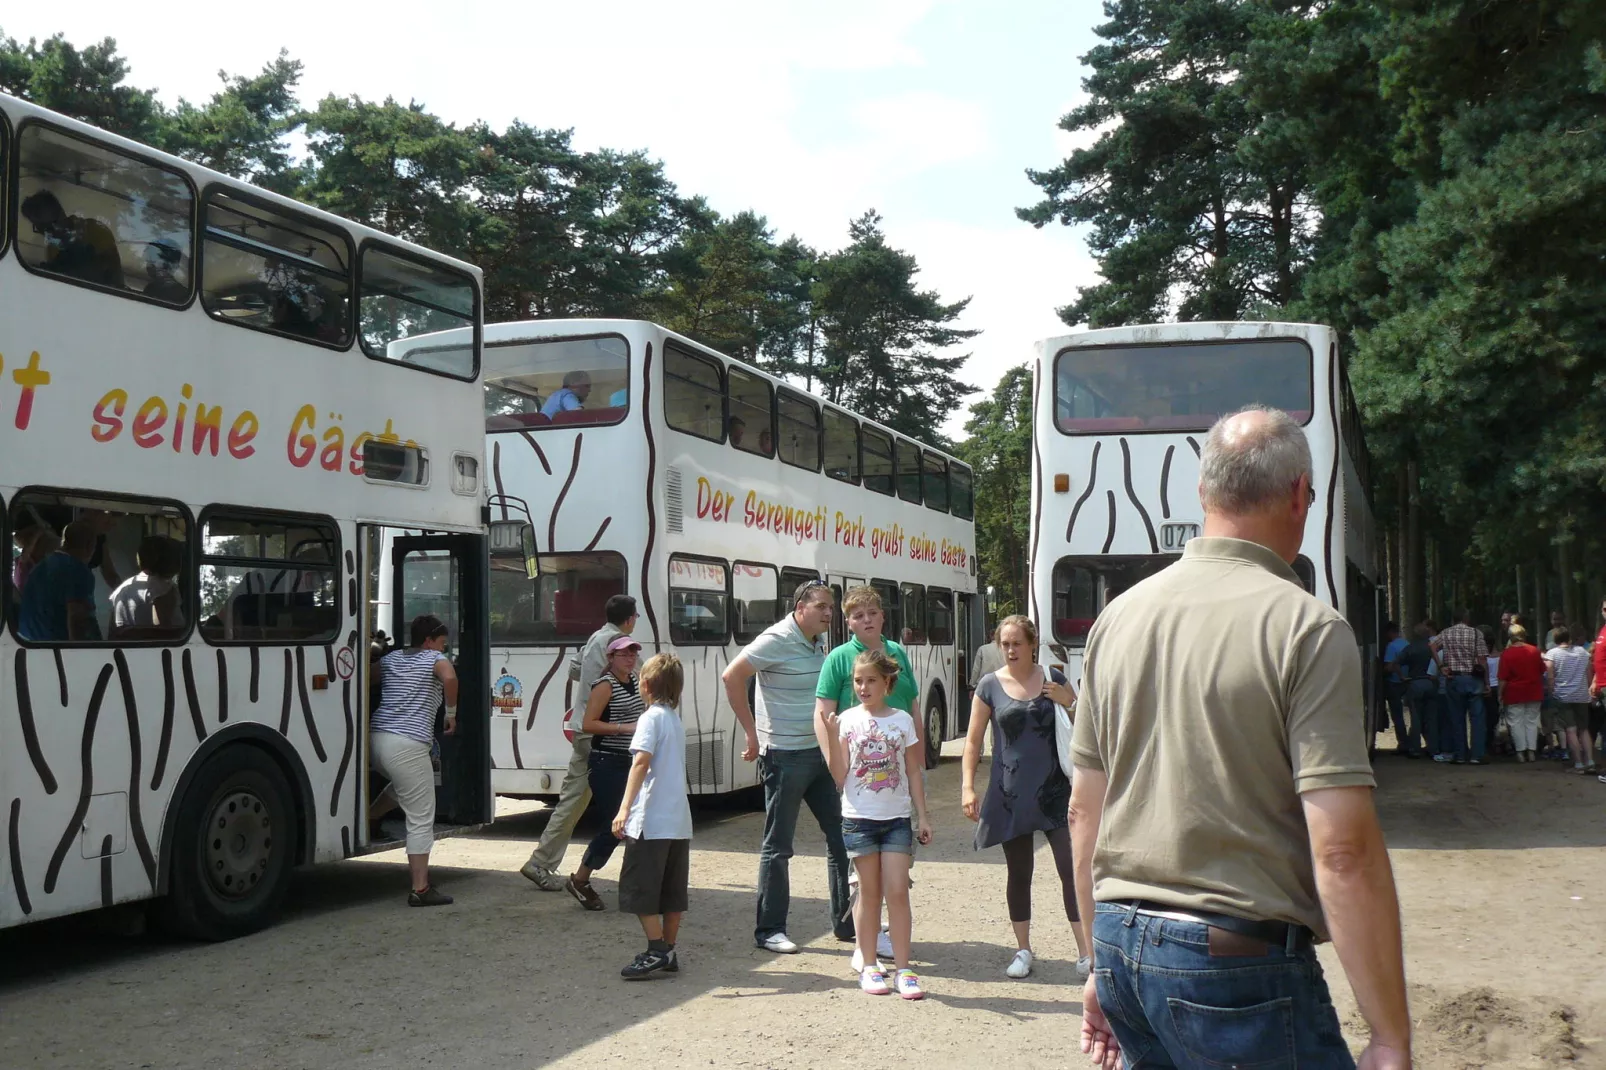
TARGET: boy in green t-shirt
(861,609)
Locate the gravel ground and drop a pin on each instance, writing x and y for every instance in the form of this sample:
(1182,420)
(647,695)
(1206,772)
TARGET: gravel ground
(1502,872)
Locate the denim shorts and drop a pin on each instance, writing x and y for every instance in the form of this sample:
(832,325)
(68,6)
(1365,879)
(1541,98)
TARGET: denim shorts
(864,836)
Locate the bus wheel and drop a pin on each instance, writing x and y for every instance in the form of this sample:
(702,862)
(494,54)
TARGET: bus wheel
(233,848)
(933,733)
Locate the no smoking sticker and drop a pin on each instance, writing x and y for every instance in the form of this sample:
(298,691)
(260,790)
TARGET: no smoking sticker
(345,663)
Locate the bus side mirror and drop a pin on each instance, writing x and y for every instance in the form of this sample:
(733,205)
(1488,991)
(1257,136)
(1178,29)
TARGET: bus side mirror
(511,537)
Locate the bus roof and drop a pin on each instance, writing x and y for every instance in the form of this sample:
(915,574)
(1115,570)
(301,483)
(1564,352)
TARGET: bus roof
(1193,331)
(543,330)
(203,176)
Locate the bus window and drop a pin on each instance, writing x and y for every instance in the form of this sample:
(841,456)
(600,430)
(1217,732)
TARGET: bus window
(791,579)
(878,461)
(564,605)
(89,213)
(697,595)
(754,606)
(891,607)
(399,299)
(91,568)
(1178,387)
(934,481)
(1083,586)
(961,492)
(841,446)
(268,578)
(914,615)
(566,381)
(939,616)
(751,404)
(800,430)
(694,394)
(272,270)
(908,455)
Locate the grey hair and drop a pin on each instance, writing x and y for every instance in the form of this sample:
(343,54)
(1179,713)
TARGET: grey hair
(1245,466)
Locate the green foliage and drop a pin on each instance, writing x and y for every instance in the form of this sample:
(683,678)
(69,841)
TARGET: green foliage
(242,130)
(998,447)
(1446,160)
(86,84)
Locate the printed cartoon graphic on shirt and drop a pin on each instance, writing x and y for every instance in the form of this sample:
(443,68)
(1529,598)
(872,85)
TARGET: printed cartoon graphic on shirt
(877,759)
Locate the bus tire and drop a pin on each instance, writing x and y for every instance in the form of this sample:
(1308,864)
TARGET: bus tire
(233,848)
(933,732)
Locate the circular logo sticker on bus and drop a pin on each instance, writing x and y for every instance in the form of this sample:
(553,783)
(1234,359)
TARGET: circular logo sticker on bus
(345,663)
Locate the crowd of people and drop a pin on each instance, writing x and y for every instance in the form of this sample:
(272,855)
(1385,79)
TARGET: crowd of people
(1468,693)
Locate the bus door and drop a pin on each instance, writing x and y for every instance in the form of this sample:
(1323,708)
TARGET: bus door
(965,653)
(839,585)
(444,575)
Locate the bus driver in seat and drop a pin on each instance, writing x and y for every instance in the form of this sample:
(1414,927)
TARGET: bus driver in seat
(74,246)
(576,388)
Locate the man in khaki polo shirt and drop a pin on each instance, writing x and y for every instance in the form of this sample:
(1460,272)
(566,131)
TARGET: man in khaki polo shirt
(1222,816)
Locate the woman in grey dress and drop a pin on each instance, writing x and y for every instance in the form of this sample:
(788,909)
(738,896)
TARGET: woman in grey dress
(1027,792)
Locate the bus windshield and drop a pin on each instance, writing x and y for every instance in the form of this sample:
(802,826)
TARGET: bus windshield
(1083,586)
(1177,387)
(531,385)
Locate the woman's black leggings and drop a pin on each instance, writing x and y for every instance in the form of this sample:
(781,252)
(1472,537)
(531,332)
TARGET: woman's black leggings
(1018,864)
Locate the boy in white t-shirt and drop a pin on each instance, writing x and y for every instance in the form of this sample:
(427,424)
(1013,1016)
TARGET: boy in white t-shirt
(877,760)
(654,820)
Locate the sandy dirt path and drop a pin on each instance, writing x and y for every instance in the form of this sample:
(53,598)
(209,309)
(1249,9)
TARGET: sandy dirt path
(1502,872)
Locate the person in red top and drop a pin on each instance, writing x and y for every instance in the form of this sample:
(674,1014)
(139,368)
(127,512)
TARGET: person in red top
(1522,689)
(1600,657)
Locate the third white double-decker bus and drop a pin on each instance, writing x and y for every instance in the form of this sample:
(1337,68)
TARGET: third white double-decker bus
(1119,417)
(708,490)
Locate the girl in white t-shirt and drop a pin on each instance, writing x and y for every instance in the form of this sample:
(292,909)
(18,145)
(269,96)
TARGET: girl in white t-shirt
(877,758)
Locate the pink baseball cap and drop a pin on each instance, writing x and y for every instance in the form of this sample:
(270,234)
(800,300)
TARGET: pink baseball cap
(624,642)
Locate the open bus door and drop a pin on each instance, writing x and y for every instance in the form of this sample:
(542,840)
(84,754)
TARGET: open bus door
(444,575)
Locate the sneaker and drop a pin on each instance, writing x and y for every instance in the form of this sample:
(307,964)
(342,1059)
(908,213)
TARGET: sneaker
(858,961)
(585,894)
(541,877)
(1084,967)
(1441,757)
(873,982)
(1019,966)
(908,985)
(429,897)
(673,965)
(1460,761)
(883,944)
(779,944)
(1602,779)
(646,963)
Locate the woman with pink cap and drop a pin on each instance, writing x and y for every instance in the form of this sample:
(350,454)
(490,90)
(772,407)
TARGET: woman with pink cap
(612,710)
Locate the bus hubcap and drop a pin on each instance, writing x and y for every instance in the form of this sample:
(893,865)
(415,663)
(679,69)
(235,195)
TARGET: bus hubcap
(239,842)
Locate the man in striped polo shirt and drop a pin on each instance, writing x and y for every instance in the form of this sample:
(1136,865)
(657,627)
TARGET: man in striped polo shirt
(786,658)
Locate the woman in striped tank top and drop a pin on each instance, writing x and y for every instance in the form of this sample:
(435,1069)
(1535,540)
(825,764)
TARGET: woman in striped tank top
(413,684)
(612,710)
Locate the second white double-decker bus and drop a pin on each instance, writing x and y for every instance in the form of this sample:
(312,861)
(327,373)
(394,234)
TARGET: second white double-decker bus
(708,490)
(1119,415)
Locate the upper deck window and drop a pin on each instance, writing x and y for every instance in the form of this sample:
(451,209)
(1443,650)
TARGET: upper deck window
(92,214)
(934,480)
(271,270)
(1180,387)
(800,430)
(877,461)
(400,301)
(961,492)
(752,405)
(908,471)
(841,446)
(694,393)
(564,382)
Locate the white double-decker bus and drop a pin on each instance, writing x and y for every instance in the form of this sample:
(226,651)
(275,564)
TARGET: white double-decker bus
(1118,418)
(216,402)
(708,490)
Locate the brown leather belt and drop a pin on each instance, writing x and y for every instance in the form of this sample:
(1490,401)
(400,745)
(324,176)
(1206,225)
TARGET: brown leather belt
(1231,935)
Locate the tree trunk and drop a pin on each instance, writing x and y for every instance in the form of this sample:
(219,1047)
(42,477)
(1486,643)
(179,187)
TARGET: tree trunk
(1411,568)
(1436,585)
(1541,610)
(1570,603)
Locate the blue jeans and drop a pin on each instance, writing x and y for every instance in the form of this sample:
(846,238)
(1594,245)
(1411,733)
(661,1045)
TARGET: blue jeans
(870,836)
(1422,698)
(1465,694)
(791,779)
(1171,1003)
(1405,738)
(608,774)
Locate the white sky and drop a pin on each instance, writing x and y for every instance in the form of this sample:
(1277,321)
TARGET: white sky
(809,113)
